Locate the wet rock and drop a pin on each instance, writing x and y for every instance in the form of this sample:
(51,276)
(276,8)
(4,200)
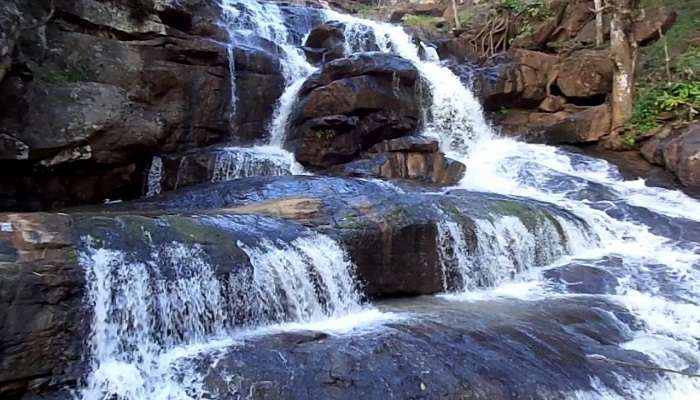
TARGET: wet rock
(433,9)
(410,157)
(213,164)
(679,153)
(583,279)
(586,73)
(570,126)
(325,43)
(150,84)
(352,104)
(516,79)
(455,350)
(41,292)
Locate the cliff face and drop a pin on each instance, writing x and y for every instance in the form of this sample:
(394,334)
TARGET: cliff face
(91,90)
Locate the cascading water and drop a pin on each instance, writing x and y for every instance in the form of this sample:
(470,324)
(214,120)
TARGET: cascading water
(264,20)
(151,315)
(155,175)
(621,221)
(137,346)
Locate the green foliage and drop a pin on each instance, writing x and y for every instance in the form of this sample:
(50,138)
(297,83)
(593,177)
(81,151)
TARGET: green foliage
(420,21)
(533,8)
(681,99)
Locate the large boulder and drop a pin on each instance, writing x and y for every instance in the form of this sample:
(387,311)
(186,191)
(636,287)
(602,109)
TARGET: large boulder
(325,43)
(410,157)
(572,125)
(585,73)
(679,152)
(517,78)
(92,93)
(352,104)
(651,21)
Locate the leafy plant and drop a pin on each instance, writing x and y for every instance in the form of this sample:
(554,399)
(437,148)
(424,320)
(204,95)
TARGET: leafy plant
(681,99)
(533,8)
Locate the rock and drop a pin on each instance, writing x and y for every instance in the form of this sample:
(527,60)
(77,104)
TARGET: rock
(410,157)
(646,28)
(410,144)
(10,19)
(583,279)
(214,164)
(352,104)
(552,104)
(586,73)
(41,293)
(325,43)
(104,86)
(578,13)
(458,49)
(573,125)
(516,79)
(587,34)
(432,9)
(679,153)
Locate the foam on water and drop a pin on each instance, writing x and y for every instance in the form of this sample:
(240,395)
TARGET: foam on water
(241,162)
(544,173)
(151,315)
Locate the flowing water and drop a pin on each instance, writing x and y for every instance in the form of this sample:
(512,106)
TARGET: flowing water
(647,237)
(151,313)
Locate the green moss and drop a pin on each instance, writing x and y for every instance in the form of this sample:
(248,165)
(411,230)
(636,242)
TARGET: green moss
(55,75)
(72,256)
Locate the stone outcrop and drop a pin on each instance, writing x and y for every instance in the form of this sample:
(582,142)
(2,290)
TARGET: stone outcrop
(585,73)
(352,104)
(516,79)
(392,240)
(93,89)
(678,152)
(409,157)
(572,125)
(325,43)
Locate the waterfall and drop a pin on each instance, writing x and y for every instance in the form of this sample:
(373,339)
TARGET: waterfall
(265,20)
(151,314)
(505,245)
(455,116)
(241,162)
(155,177)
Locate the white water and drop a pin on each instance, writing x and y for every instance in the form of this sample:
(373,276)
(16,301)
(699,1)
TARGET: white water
(130,362)
(152,315)
(155,176)
(671,335)
(241,162)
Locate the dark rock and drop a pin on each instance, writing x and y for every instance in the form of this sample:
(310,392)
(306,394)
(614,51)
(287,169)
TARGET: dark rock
(352,104)
(150,84)
(410,144)
(679,153)
(454,350)
(325,43)
(569,126)
(583,279)
(411,157)
(41,293)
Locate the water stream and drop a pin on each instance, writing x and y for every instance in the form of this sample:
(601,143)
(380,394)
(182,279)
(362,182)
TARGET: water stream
(136,345)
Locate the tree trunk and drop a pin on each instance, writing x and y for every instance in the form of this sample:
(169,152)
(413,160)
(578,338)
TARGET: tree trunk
(623,51)
(454,10)
(598,4)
